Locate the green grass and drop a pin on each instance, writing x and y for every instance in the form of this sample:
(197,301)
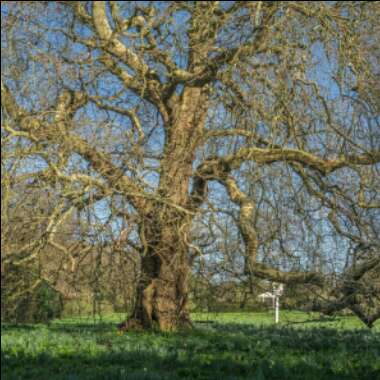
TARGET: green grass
(234,346)
(287,318)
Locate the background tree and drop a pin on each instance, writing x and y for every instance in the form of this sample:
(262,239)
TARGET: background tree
(165,117)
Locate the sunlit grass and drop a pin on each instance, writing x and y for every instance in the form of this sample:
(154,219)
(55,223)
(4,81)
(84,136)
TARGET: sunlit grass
(287,318)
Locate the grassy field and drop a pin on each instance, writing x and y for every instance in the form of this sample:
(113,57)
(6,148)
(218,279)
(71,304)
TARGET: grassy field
(225,346)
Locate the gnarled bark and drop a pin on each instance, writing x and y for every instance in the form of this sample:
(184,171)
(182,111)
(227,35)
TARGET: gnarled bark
(162,290)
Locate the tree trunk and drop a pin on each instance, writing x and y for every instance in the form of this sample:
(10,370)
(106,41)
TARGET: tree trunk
(163,287)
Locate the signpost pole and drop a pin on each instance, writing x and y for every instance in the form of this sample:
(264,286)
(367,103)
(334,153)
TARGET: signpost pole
(277,307)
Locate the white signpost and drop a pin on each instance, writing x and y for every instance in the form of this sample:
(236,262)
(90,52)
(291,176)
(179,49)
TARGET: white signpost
(278,290)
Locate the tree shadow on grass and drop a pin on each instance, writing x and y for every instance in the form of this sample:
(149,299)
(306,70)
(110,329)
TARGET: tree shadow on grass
(225,351)
(121,365)
(61,327)
(81,327)
(18,327)
(320,319)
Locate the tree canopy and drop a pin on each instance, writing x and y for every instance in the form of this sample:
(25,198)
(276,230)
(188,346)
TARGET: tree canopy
(238,137)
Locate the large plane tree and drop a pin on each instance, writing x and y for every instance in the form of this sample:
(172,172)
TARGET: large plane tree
(166,112)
